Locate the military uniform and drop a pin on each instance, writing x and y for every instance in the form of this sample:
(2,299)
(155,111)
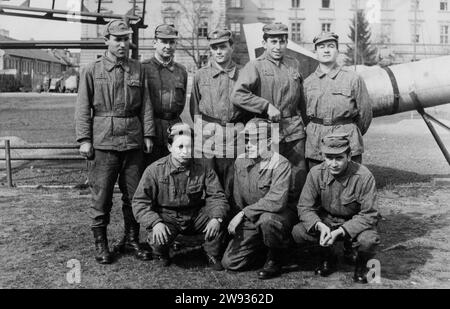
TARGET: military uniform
(185,199)
(267,81)
(261,189)
(336,101)
(347,201)
(167,83)
(210,101)
(114,113)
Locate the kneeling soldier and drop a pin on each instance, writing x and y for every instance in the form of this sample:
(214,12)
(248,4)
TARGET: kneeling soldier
(264,221)
(179,195)
(338,201)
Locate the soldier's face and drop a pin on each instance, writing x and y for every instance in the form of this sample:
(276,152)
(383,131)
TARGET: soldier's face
(276,46)
(337,163)
(327,52)
(181,149)
(221,53)
(165,47)
(118,46)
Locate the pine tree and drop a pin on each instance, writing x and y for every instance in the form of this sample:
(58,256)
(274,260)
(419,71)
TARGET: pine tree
(367,54)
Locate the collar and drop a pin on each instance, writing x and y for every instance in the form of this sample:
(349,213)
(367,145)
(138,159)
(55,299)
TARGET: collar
(332,74)
(111,64)
(344,178)
(231,70)
(176,170)
(168,65)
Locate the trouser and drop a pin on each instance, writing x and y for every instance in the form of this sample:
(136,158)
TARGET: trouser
(224,169)
(313,162)
(103,172)
(295,152)
(365,242)
(187,222)
(159,151)
(251,240)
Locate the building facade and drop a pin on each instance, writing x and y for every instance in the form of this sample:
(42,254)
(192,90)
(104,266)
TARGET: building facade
(402,30)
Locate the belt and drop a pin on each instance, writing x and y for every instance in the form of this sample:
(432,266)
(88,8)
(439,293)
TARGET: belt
(332,122)
(167,116)
(116,114)
(212,119)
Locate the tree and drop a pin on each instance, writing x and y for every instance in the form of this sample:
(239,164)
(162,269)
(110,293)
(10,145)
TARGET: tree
(367,54)
(194,27)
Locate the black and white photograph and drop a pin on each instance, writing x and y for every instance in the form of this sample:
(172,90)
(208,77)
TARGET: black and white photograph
(224,151)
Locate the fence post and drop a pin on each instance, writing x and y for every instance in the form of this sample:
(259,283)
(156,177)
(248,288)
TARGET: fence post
(8,164)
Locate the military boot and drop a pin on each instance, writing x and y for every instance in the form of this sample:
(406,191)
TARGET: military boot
(102,254)
(130,241)
(327,262)
(272,267)
(361,270)
(350,253)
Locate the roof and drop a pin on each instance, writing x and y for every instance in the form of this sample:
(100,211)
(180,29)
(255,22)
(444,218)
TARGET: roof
(38,54)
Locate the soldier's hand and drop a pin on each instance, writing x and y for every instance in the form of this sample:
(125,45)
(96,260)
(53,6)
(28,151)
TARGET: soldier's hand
(212,229)
(87,150)
(334,235)
(273,113)
(325,234)
(235,222)
(160,234)
(148,145)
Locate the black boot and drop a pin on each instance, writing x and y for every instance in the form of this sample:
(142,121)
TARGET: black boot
(130,241)
(272,267)
(361,270)
(102,254)
(350,253)
(327,262)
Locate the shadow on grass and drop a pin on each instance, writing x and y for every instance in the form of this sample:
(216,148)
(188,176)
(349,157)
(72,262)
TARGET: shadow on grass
(386,176)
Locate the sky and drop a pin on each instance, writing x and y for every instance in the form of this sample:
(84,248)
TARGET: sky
(22,28)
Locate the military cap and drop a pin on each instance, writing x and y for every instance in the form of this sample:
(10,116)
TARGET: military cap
(276,29)
(335,143)
(166,31)
(259,128)
(219,36)
(180,128)
(117,27)
(326,36)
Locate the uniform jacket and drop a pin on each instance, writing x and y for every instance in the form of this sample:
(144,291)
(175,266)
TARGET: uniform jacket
(261,186)
(265,80)
(349,200)
(167,85)
(341,94)
(163,185)
(114,110)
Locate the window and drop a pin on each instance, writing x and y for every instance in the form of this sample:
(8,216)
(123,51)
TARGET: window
(444,5)
(326,4)
(415,33)
(415,5)
(235,28)
(203,60)
(295,4)
(444,34)
(386,4)
(266,4)
(386,33)
(203,28)
(296,32)
(235,3)
(326,27)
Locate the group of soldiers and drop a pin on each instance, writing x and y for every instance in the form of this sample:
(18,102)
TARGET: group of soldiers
(306,186)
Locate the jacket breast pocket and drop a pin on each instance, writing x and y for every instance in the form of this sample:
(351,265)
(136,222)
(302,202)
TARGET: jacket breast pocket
(350,204)
(343,98)
(264,185)
(195,192)
(179,94)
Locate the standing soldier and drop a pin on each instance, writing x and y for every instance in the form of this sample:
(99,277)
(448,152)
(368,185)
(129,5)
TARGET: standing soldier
(263,221)
(181,195)
(167,82)
(338,202)
(210,100)
(337,100)
(114,119)
(271,87)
